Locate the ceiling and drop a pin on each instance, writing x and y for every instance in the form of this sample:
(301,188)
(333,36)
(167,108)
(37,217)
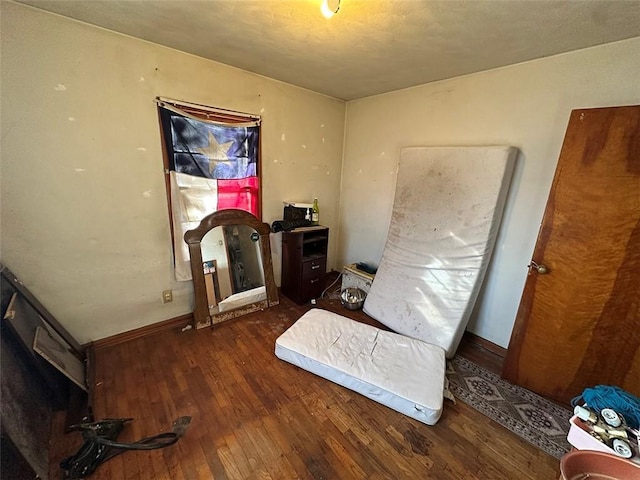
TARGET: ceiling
(369,46)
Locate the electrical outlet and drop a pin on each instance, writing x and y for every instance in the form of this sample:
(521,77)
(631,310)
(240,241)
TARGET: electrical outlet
(167,296)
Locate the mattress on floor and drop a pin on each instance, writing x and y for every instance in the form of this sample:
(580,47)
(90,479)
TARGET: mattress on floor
(403,373)
(446,214)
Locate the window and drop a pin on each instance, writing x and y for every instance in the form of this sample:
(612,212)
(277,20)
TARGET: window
(212,162)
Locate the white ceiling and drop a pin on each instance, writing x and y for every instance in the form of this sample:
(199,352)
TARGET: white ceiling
(369,46)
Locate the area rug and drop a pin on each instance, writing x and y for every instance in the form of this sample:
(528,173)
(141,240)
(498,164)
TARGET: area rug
(533,418)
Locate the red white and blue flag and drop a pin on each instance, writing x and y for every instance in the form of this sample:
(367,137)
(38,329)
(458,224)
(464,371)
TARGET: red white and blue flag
(212,166)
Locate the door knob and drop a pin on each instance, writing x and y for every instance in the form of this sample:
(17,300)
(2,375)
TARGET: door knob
(540,268)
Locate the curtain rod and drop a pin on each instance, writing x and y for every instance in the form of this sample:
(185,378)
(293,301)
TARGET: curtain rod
(221,111)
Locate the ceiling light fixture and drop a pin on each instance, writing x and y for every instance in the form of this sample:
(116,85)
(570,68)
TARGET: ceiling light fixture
(329,7)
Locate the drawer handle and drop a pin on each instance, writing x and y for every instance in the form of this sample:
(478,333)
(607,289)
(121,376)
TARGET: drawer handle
(314,280)
(315,267)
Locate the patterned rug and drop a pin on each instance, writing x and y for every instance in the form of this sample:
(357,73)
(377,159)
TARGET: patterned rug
(533,418)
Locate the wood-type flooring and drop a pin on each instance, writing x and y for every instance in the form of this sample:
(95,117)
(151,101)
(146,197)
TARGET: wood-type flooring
(257,417)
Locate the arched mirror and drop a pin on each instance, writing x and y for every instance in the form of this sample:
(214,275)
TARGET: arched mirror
(231,266)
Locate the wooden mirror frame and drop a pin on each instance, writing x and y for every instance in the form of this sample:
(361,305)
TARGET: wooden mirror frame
(194,238)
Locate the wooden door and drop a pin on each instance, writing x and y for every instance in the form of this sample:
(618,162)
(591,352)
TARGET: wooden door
(578,324)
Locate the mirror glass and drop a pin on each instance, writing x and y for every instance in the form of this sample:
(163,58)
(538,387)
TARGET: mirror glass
(231,256)
(231,266)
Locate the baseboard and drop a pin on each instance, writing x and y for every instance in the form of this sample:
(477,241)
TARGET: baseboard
(147,330)
(486,344)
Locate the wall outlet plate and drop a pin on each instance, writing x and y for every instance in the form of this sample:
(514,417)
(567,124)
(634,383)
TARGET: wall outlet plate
(167,296)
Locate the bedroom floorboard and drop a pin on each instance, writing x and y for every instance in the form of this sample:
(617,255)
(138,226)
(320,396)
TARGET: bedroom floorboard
(257,417)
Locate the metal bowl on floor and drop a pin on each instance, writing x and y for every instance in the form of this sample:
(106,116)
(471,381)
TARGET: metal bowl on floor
(352,298)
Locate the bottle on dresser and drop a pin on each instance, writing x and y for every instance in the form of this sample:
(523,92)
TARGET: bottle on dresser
(315,213)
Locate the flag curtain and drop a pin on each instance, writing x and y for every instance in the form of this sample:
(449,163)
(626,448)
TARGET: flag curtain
(212,160)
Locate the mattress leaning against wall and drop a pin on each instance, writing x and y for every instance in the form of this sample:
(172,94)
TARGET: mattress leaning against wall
(446,214)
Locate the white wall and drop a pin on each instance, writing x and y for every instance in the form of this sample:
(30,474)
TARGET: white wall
(83,204)
(83,210)
(525,105)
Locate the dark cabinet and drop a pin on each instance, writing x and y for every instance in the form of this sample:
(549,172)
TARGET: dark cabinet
(304,263)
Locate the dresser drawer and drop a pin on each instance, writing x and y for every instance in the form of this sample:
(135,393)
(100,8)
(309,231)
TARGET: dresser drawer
(314,267)
(312,286)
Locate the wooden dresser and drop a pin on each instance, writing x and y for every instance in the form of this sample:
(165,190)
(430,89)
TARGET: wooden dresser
(304,262)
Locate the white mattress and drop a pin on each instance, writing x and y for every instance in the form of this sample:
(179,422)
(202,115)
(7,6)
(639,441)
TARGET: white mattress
(446,214)
(403,373)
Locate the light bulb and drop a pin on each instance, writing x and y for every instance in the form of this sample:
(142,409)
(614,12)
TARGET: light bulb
(329,7)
